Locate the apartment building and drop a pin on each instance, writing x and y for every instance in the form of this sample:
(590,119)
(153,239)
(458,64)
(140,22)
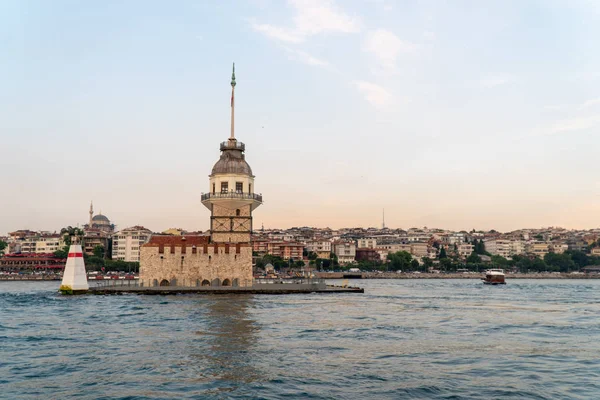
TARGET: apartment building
(367,243)
(464,250)
(505,248)
(345,252)
(286,250)
(42,244)
(419,249)
(321,247)
(539,249)
(127,243)
(558,248)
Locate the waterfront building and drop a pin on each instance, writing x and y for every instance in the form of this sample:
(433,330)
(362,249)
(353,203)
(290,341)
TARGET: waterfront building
(505,248)
(126,243)
(367,254)
(464,250)
(94,237)
(558,248)
(420,249)
(31,262)
(321,247)
(38,243)
(287,250)
(225,257)
(539,249)
(345,252)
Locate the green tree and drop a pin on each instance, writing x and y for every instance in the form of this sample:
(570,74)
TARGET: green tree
(427,262)
(580,259)
(3,246)
(447,265)
(559,262)
(400,260)
(98,251)
(538,265)
(442,253)
(474,258)
(499,261)
(414,265)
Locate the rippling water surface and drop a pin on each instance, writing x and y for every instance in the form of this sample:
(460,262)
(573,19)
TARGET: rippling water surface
(430,339)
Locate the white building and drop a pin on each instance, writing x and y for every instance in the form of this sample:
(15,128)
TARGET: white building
(345,252)
(464,250)
(367,243)
(39,244)
(504,248)
(127,242)
(319,246)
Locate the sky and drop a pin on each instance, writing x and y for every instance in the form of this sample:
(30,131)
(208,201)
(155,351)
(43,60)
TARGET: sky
(449,114)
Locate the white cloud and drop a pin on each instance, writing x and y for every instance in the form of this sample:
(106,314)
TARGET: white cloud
(374,94)
(386,47)
(305,58)
(277,33)
(312,17)
(575,124)
(494,81)
(590,103)
(322,16)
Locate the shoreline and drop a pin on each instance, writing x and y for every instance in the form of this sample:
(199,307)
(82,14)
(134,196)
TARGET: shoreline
(393,275)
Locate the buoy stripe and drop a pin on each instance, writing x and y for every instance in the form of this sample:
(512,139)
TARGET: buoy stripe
(75,255)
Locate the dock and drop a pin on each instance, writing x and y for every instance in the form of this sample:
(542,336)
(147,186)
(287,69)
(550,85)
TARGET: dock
(272,287)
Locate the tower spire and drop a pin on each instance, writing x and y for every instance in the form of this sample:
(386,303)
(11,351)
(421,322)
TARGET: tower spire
(232,136)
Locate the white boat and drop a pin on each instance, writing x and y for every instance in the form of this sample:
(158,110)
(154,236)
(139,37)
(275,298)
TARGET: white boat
(494,277)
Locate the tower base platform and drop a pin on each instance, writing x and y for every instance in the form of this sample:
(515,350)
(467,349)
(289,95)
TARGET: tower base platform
(258,289)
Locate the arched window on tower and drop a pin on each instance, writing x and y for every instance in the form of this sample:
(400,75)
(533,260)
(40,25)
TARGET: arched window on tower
(214,187)
(249,188)
(237,212)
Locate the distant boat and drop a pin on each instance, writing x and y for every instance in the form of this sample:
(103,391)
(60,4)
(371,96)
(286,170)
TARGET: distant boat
(494,277)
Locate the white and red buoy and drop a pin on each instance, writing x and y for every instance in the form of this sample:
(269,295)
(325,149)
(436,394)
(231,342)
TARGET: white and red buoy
(74,277)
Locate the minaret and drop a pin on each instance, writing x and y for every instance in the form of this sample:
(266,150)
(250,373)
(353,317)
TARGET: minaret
(231,198)
(91,213)
(383,221)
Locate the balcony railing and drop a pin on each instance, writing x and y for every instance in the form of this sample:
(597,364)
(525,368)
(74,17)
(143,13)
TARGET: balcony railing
(233,145)
(232,195)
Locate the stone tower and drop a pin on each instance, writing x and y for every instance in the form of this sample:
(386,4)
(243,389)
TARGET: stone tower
(231,198)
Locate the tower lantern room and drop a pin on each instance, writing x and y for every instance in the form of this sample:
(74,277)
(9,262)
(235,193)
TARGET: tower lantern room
(231,197)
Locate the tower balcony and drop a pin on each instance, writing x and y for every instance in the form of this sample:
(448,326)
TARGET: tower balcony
(232,200)
(232,195)
(233,145)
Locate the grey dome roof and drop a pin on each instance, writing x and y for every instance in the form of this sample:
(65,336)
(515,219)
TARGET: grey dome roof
(100,218)
(232,162)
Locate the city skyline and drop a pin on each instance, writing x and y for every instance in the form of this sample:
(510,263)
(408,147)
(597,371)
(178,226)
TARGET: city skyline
(345,109)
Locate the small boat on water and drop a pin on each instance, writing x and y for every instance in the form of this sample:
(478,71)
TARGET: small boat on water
(494,277)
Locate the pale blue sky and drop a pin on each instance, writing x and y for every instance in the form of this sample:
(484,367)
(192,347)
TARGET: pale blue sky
(453,114)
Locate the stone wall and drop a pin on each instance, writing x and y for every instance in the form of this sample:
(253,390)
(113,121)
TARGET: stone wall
(213,264)
(227,226)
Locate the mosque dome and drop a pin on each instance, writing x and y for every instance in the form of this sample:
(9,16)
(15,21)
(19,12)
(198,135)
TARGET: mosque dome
(232,161)
(100,219)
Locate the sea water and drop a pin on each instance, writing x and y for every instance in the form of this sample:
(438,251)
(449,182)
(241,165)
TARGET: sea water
(419,339)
